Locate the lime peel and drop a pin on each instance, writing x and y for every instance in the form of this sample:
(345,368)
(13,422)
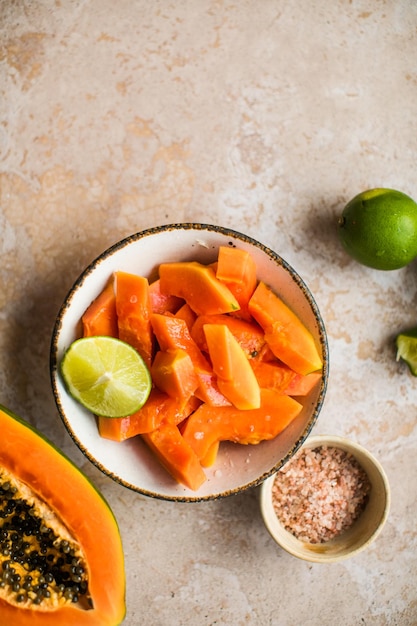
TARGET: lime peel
(378,228)
(106,375)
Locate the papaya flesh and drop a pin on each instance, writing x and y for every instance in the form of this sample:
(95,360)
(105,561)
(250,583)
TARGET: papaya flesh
(249,335)
(207,425)
(198,286)
(61,555)
(235,377)
(101,317)
(237,269)
(176,455)
(134,309)
(286,335)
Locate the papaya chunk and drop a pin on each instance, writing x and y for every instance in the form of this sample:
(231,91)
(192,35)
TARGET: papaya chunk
(211,456)
(133,306)
(235,377)
(249,335)
(198,286)
(100,318)
(162,302)
(176,455)
(172,333)
(273,374)
(186,313)
(277,375)
(302,385)
(173,372)
(210,424)
(159,408)
(286,335)
(237,269)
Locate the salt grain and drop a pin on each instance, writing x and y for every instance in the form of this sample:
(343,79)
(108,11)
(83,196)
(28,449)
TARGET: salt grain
(320,493)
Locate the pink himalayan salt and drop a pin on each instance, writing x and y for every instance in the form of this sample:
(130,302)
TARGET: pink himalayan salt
(319,493)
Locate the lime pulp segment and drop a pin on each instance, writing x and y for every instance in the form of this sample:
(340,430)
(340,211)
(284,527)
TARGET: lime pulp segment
(407,350)
(106,375)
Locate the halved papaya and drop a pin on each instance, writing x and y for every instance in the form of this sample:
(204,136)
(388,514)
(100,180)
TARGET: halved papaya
(61,546)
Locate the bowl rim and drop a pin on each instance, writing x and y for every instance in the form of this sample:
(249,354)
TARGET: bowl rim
(298,548)
(200,227)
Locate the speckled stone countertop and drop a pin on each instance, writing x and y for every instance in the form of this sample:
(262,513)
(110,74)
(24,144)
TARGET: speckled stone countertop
(266,116)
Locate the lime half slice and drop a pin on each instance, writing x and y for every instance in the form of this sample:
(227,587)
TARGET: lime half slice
(407,349)
(106,375)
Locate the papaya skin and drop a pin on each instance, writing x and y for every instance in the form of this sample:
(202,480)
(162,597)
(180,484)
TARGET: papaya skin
(208,425)
(198,286)
(23,451)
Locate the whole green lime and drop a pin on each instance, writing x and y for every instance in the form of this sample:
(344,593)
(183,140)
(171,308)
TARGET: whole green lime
(378,228)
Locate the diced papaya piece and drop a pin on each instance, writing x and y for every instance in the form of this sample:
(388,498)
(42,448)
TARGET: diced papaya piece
(186,313)
(211,455)
(162,302)
(158,409)
(302,385)
(237,269)
(249,335)
(235,377)
(172,333)
(173,372)
(116,429)
(286,335)
(198,286)
(273,374)
(176,455)
(210,424)
(100,318)
(133,307)
(208,390)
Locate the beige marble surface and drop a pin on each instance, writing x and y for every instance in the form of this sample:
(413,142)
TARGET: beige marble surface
(262,115)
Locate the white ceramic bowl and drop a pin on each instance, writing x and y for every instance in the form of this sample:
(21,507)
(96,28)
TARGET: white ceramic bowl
(130,463)
(363,531)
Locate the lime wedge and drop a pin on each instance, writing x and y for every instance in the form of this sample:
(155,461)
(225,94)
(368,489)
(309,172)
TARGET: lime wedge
(107,376)
(406,343)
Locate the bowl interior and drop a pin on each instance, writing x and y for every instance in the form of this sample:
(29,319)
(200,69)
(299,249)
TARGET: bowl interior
(130,463)
(360,535)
